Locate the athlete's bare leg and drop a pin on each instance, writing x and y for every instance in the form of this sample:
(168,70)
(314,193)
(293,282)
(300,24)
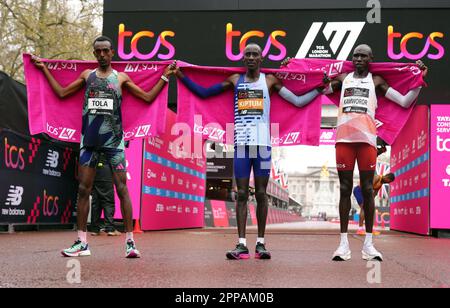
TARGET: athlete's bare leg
(120,181)
(86,179)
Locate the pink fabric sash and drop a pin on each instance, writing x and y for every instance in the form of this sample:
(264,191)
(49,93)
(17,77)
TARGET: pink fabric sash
(61,119)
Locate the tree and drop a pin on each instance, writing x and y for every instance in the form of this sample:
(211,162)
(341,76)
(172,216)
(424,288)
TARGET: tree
(53,29)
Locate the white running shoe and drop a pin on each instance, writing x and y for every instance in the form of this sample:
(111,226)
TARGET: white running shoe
(369,253)
(77,250)
(343,253)
(132,252)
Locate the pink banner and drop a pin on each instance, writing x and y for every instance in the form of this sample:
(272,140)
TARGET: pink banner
(293,126)
(61,118)
(220,214)
(391,118)
(173,187)
(133,155)
(410,196)
(440,166)
(252,210)
(211,116)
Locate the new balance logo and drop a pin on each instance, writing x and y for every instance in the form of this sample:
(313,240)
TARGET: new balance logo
(52,159)
(14,196)
(67,134)
(336,32)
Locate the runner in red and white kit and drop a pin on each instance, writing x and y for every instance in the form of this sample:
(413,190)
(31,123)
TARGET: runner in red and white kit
(356,140)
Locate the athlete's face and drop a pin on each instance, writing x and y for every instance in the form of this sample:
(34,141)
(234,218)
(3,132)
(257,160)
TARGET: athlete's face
(362,56)
(252,57)
(104,53)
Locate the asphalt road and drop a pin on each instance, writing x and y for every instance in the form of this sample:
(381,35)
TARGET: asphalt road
(196,259)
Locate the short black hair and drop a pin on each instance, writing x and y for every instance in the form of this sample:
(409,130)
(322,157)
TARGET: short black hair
(103,39)
(390,176)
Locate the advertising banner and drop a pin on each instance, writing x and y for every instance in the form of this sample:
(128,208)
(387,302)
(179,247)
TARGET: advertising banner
(223,214)
(173,184)
(440,166)
(410,194)
(218,37)
(38,183)
(133,156)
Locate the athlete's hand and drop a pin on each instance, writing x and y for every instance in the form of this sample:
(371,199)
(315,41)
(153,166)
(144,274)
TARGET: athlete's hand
(179,73)
(37,62)
(326,79)
(423,67)
(171,69)
(286,61)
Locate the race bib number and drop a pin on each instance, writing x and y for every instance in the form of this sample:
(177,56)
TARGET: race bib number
(101,103)
(250,102)
(356,100)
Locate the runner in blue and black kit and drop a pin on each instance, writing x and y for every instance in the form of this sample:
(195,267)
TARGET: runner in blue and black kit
(102,133)
(252,138)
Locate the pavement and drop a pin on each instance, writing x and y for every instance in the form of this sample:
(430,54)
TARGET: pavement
(196,259)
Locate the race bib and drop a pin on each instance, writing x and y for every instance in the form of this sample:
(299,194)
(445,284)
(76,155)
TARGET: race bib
(250,102)
(101,102)
(356,100)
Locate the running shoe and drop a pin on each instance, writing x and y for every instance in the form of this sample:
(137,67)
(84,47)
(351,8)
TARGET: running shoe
(343,253)
(241,252)
(369,253)
(261,252)
(376,233)
(131,251)
(78,249)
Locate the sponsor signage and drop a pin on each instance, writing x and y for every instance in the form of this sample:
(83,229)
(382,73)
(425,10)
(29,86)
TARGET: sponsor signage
(37,179)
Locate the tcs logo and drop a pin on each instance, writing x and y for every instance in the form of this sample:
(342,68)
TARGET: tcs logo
(272,40)
(14,156)
(430,41)
(50,206)
(135,53)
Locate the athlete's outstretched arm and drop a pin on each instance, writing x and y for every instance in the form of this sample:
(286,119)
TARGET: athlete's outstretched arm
(333,85)
(206,92)
(297,100)
(390,93)
(62,92)
(153,93)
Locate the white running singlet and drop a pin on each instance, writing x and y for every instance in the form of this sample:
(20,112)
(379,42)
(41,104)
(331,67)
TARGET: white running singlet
(356,119)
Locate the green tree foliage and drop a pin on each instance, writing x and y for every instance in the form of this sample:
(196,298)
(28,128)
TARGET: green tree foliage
(53,29)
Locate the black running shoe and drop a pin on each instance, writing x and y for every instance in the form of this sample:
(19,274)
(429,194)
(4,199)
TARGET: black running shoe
(261,252)
(241,252)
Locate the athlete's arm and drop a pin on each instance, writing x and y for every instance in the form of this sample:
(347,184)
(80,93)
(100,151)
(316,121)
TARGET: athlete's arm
(390,93)
(62,92)
(206,92)
(377,184)
(299,101)
(153,93)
